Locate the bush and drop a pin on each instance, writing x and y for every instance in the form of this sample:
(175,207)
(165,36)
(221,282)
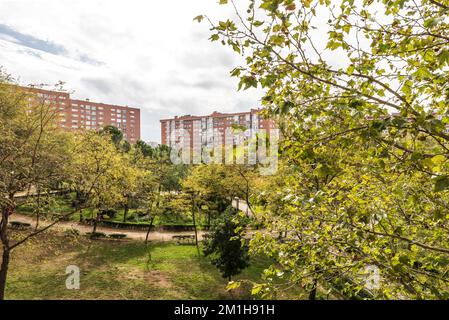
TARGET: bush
(132,218)
(226,246)
(109,213)
(141,214)
(66,197)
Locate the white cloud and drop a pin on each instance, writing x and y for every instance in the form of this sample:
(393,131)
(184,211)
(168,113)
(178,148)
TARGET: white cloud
(153,55)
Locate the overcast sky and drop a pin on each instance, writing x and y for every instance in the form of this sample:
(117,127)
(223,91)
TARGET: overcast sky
(146,54)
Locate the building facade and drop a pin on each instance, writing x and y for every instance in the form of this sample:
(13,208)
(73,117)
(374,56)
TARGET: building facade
(201,131)
(74,115)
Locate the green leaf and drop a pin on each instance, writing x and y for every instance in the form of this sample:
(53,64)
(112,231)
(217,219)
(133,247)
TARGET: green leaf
(233,285)
(350,69)
(198,18)
(443,58)
(256,289)
(441,183)
(214,37)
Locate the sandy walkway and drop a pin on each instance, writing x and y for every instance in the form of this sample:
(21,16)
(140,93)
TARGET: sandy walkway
(132,234)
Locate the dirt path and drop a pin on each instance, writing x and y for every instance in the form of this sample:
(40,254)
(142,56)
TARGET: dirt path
(132,234)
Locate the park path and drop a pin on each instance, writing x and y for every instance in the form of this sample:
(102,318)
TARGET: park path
(163,236)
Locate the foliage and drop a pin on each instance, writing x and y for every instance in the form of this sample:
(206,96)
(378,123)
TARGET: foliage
(216,184)
(227,247)
(32,156)
(96,170)
(114,133)
(364,174)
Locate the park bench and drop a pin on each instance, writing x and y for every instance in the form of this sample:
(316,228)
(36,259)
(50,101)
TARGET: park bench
(96,235)
(188,239)
(16,225)
(117,236)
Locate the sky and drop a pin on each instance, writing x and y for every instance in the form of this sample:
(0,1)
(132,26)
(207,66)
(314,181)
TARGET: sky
(145,54)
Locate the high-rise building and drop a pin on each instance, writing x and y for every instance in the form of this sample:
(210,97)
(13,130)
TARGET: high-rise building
(208,130)
(88,115)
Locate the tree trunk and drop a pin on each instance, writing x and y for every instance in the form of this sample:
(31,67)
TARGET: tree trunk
(125,212)
(149,229)
(38,206)
(4,271)
(6,251)
(312,294)
(94,230)
(37,221)
(194,226)
(208,219)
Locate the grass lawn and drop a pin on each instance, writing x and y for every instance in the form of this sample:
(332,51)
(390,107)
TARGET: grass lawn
(118,270)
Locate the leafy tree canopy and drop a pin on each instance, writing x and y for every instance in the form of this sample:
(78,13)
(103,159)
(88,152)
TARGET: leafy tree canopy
(364,112)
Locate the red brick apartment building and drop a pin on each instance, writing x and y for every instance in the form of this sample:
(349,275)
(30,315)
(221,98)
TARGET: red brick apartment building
(87,115)
(205,130)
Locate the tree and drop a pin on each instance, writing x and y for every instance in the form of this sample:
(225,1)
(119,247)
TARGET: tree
(365,146)
(147,190)
(114,133)
(226,245)
(161,178)
(31,155)
(97,172)
(215,184)
(130,181)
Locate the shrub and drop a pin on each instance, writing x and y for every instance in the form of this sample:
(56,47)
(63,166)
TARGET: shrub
(109,213)
(226,246)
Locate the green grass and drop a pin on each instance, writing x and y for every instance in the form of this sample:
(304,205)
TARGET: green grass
(118,270)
